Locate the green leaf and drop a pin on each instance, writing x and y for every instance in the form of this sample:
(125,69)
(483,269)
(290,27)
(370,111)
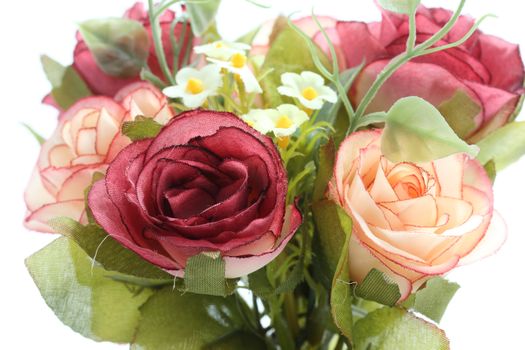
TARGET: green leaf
(105,250)
(72,89)
(341,294)
(171,320)
(378,287)
(325,170)
(394,328)
(82,296)
(237,340)
(504,146)
(372,118)
(459,112)
(97,176)
(288,53)
(415,131)
(204,274)
(120,46)
(40,139)
(490,168)
(202,15)
(433,299)
(259,283)
(141,128)
(400,6)
(54,70)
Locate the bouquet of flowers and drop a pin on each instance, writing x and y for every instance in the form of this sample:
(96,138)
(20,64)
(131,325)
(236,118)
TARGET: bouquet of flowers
(307,186)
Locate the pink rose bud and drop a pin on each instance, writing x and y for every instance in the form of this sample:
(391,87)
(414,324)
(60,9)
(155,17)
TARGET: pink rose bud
(207,183)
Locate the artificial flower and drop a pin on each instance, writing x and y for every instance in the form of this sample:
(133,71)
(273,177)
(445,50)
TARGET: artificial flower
(487,69)
(222,50)
(194,86)
(413,221)
(101,83)
(283,121)
(86,140)
(237,65)
(207,183)
(308,87)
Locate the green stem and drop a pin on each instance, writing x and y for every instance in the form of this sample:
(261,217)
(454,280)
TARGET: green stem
(290,313)
(340,343)
(157,42)
(412,36)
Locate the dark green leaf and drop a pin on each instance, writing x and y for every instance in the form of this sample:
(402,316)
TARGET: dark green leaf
(288,53)
(120,46)
(36,135)
(341,294)
(325,170)
(504,146)
(171,320)
(490,168)
(433,299)
(394,328)
(415,131)
(459,112)
(237,340)
(141,128)
(378,287)
(259,283)
(106,251)
(82,296)
(202,15)
(204,274)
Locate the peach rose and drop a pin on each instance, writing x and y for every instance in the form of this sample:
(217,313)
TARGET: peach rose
(86,140)
(413,221)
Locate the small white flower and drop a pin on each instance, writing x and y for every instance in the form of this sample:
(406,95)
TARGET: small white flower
(308,88)
(195,86)
(221,50)
(237,65)
(282,121)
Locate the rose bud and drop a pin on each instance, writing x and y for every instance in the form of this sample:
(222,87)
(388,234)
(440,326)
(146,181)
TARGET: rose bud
(207,183)
(413,221)
(485,69)
(101,83)
(86,140)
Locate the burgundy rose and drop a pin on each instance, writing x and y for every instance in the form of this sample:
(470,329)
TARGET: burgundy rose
(488,69)
(207,183)
(101,83)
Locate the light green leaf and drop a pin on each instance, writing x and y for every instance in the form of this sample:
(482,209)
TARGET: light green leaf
(433,299)
(82,296)
(394,328)
(459,112)
(68,86)
(171,320)
(504,146)
(378,287)
(415,131)
(288,53)
(341,294)
(400,6)
(141,128)
(202,15)
(40,139)
(54,70)
(105,250)
(204,274)
(372,118)
(120,46)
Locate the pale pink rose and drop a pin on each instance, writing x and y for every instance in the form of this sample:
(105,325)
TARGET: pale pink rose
(413,221)
(86,140)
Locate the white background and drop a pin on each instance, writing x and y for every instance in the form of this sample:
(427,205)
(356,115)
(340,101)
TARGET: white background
(487,312)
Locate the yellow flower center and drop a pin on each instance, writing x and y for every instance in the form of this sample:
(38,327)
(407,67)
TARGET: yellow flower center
(283,142)
(219,45)
(284,122)
(238,60)
(250,123)
(194,86)
(309,93)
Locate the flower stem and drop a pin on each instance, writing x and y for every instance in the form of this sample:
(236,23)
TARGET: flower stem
(157,42)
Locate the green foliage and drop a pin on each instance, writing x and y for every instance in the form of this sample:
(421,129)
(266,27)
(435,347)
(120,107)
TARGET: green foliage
(82,296)
(120,46)
(400,6)
(259,283)
(39,138)
(288,53)
(393,328)
(171,320)
(204,274)
(504,146)
(378,287)
(141,128)
(325,170)
(67,85)
(459,112)
(415,131)
(490,168)
(433,299)
(341,294)
(106,251)
(202,15)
